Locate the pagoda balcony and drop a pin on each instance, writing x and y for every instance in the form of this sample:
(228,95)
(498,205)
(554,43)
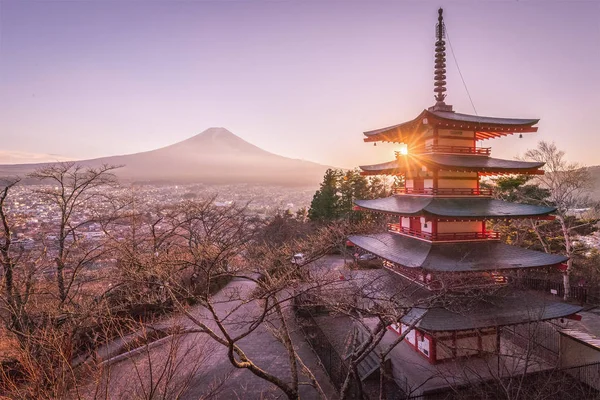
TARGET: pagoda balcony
(444,237)
(453,281)
(479,151)
(445,191)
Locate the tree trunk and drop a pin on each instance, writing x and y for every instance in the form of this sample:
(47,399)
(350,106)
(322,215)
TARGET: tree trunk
(568,251)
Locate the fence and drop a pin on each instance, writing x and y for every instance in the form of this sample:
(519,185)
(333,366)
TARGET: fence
(578,293)
(333,363)
(588,374)
(541,338)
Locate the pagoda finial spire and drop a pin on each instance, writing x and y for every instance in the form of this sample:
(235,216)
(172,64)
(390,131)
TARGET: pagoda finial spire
(440,63)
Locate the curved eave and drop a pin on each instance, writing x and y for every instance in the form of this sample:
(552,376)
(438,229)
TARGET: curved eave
(460,208)
(484,127)
(409,252)
(491,311)
(453,163)
(397,133)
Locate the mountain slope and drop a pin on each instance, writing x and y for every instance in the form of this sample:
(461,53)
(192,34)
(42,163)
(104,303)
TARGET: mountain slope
(213,156)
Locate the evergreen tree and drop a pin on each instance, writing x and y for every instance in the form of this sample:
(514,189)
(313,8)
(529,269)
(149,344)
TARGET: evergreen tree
(353,186)
(398,183)
(325,205)
(377,188)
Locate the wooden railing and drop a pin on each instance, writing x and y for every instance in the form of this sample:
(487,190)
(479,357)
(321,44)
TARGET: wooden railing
(437,148)
(445,191)
(445,237)
(456,281)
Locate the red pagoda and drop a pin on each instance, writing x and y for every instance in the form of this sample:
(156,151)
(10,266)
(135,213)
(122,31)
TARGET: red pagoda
(439,238)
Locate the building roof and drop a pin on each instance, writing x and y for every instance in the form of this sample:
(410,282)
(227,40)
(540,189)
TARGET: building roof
(454,116)
(451,162)
(515,307)
(454,207)
(485,127)
(506,305)
(453,257)
(585,338)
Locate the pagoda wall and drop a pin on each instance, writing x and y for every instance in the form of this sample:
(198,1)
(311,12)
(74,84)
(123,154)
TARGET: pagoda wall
(441,346)
(455,136)
(429,226)
(459,227)
(426,225)
(448,180)
(451,345)
(452,137)
(461,180)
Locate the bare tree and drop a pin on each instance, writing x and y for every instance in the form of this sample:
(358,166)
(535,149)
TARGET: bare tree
(13,298)
(76,192)
(215,238)
(568,185)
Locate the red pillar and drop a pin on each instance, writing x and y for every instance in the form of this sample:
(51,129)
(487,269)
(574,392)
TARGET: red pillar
(432,348)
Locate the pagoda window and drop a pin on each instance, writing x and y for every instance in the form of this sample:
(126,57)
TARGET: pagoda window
(405,221)
(424,344)
(409,183)
(410,336)
(426,226)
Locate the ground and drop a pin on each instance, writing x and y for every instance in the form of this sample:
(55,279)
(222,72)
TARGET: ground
(202,365)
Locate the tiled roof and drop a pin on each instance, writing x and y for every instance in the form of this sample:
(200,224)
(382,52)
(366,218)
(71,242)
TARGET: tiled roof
(452,207)
(451,162)
(428,118)
(514,308)
(453,116)
(453,257)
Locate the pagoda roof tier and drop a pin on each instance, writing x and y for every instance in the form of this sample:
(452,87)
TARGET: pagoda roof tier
(453,257)
(484,127)
(451,162)
(504,305)
(501,309)
(453,207)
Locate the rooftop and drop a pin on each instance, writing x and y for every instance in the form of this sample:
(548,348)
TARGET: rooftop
(453,257)
(515,307)
(453,162)
(471,207)
(485,127)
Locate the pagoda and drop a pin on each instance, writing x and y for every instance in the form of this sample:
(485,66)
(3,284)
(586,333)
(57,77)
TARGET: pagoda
(439,239)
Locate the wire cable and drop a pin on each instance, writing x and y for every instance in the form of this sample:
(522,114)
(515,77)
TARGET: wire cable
(459,72)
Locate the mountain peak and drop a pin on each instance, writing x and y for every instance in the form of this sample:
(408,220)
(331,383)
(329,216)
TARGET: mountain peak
(215,155)
(216,131)
(217,141)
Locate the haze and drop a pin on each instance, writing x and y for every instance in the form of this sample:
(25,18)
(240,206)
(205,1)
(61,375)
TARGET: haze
(299,79)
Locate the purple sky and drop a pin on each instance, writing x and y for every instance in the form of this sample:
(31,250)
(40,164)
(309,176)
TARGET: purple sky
(302,79)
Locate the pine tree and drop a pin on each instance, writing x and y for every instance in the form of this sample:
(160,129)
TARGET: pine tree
(325,205)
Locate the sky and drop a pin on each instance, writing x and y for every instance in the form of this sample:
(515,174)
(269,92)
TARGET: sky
(303,79)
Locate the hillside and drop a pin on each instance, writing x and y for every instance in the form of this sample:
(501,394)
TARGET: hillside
(213,156)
